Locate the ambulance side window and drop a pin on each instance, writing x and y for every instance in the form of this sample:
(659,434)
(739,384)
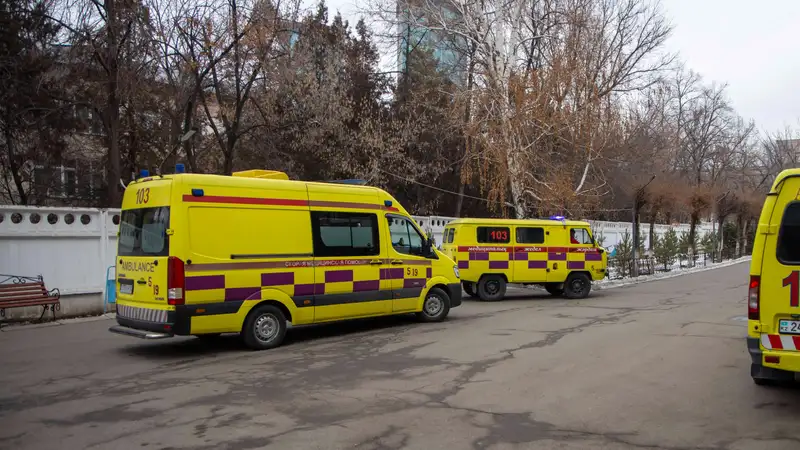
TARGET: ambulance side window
(494,235)
(580,236)
(405,238)
(526,235)
(345,234)
(789,236)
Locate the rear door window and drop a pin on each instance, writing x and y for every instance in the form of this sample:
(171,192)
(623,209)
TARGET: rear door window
(143,232)
(527,235)
(789,236)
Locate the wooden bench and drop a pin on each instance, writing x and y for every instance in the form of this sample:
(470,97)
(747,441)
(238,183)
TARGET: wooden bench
(19,292)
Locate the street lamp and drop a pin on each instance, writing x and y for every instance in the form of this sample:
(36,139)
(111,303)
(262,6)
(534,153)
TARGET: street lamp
(188,135)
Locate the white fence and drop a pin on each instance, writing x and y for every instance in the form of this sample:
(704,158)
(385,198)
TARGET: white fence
(73,247)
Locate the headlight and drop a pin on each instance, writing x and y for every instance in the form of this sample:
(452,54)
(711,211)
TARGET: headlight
(455,271)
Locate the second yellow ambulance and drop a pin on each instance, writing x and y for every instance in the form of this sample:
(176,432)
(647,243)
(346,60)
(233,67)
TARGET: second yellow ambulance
(559,254)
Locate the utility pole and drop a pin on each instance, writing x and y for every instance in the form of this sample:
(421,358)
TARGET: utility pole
(635,224)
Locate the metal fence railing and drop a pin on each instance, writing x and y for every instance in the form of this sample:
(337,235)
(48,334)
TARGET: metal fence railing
(622,267)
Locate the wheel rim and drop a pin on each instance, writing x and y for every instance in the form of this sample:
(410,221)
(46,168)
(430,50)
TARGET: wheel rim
(492,287)
(578,285)
(266,327)
(433,305)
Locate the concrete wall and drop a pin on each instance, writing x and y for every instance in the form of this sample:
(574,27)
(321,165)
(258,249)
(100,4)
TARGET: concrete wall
(72,248)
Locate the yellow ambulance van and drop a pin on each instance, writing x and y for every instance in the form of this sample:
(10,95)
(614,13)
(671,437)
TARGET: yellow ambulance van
(559,254)
(209,254)
(773,330)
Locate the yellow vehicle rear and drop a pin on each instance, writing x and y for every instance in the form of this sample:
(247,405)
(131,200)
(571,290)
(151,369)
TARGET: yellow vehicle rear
(206,254)
(558,254)
(774,289)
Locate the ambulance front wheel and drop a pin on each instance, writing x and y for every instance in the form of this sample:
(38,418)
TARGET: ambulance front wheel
(469,288)
(577,286)
(264,328)
(492,288)
(435,307)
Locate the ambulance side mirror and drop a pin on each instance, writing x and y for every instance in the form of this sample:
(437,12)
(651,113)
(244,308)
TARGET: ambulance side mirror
(427,248)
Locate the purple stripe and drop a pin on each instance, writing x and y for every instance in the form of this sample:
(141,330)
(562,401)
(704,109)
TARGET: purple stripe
(537,264)
(463,264)
(370,285)
(414,282)
(338,276)
(392,274)
(573,265)
(309,289)
(594,257)
(429,272)
(557,256)
(205,282)
(277,279)
(479,256)
(246,293)
(520,256)
(498,264)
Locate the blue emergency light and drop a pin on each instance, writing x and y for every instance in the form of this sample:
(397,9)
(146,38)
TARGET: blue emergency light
(387,203)
(180,168)
(562,218)
(144,173)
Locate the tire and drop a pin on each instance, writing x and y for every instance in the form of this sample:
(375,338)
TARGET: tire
(555,289)
(767,376)
(264,328)
(763,382)
(577,286)
(435,307)
(209,337)
(492,288)
(469,288)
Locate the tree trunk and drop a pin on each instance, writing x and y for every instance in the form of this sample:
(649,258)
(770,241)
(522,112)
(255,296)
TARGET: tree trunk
(744,237)
(467,119)
(652,229)
(14,167)
(114,170)
(188,121)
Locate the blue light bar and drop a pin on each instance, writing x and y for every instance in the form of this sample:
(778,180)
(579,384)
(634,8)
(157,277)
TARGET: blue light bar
(387,203)
(198,193)
(561,218)
(144,173)
(180,168)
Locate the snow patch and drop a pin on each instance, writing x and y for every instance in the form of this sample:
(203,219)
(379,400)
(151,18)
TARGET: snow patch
(611,284)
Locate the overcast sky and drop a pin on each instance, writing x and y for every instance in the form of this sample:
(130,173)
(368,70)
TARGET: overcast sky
(752,45)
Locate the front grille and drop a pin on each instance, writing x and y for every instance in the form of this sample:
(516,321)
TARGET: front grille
(146,314)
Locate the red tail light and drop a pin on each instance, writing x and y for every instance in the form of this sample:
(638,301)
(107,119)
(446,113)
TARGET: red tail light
(175,281)
(753,300)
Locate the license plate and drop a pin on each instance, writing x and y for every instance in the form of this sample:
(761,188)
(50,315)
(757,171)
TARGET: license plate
(789,326)
(126,289)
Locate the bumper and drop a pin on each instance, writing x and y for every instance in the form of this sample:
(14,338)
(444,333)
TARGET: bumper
(789,361)
(141,334)
(455,294)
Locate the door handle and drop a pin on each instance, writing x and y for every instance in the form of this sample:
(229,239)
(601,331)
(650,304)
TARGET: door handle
(141,282)
(396,262)
(555,266)
(376,262)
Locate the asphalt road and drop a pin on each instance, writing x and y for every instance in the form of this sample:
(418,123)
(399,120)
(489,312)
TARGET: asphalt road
(657,365)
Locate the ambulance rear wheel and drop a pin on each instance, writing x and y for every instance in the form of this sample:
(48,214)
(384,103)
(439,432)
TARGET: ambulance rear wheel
(435,307)
(264,328)
(555,289)
(577,286)
(492,288)
(469,288)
